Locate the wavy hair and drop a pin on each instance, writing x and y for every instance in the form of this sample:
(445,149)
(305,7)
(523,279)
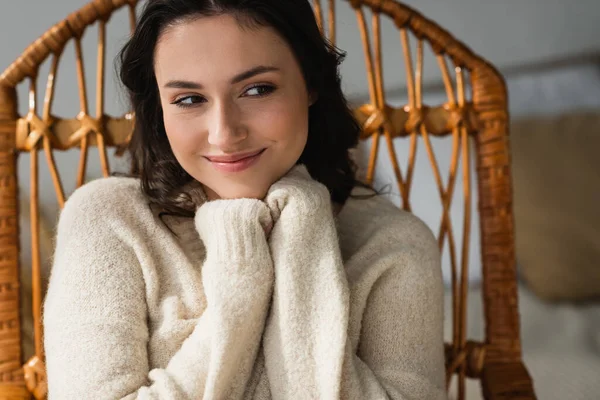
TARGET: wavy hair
(332,129)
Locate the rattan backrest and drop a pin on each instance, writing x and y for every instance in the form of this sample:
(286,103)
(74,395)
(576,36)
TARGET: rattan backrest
(474,113)
(482,121)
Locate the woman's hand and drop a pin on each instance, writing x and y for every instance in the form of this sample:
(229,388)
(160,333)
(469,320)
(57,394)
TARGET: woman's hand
(297,189)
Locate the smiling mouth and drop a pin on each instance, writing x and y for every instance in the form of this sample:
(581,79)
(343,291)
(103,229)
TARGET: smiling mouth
(233,158)
(236,162)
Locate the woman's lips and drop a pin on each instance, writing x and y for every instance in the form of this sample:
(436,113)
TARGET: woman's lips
(235,163)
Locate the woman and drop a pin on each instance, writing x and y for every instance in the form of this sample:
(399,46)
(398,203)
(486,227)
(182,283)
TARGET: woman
(240,281)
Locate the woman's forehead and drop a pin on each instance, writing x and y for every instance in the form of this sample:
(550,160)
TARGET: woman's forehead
(219,46)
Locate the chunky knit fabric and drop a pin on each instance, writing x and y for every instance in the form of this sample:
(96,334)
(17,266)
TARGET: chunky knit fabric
(274,299)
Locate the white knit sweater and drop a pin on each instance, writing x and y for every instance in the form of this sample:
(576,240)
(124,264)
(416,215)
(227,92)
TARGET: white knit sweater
(213,308)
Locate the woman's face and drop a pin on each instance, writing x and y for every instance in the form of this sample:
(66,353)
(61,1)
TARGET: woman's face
(235,104)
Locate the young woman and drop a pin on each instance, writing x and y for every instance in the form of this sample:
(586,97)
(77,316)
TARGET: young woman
(242,260)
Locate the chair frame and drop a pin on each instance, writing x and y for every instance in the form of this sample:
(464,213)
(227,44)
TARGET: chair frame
(497,362)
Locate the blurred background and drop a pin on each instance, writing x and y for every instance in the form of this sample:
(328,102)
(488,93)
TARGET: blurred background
(549,53)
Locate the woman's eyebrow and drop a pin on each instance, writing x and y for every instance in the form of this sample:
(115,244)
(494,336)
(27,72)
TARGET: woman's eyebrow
(261,69)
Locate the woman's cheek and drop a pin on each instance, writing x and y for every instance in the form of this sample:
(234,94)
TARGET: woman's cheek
(183,136)
(269,117)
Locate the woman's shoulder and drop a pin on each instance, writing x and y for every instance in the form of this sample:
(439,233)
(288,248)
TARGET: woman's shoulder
(376,236)
(104,198)
(366,216)
(107,193)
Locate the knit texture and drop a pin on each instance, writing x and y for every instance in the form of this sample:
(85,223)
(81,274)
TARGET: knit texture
(216,307)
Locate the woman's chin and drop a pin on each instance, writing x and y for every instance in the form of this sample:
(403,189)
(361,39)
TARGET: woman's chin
(239,193)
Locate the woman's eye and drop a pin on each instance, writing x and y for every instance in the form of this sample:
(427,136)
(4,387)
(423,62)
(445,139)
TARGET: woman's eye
(188,101)
(259,90)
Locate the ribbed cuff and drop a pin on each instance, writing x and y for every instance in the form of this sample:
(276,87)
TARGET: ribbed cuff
(234,229)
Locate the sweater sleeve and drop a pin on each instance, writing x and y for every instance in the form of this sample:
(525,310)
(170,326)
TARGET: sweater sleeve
(95,314)
(308,353)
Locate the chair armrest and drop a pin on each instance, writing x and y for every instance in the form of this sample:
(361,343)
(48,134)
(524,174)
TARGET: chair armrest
(510,380)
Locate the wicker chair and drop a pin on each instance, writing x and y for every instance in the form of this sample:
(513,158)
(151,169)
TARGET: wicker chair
(496,362)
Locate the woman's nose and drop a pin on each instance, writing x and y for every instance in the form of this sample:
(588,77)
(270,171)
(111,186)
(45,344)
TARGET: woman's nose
(226,130)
